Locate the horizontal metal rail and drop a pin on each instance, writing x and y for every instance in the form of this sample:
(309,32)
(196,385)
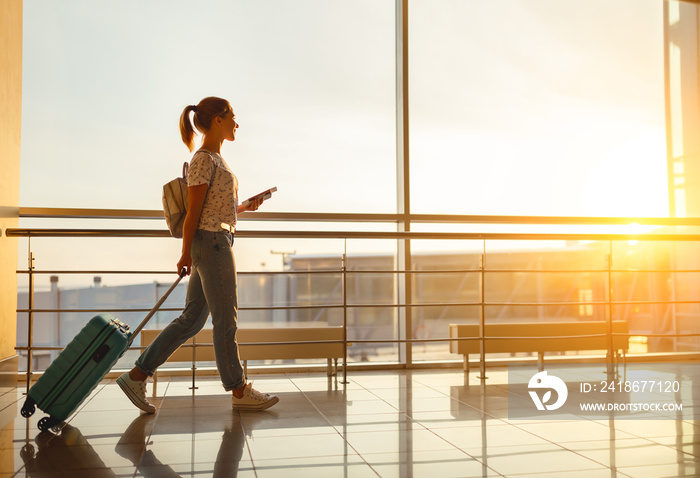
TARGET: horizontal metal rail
(395,340)
(173,309)
(382,271)
(86,213)
(480,236)
(132,272)
(376,306)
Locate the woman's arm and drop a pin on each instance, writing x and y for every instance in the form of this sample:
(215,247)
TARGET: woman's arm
(195,203)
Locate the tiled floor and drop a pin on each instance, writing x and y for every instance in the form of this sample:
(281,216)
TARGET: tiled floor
(420,423)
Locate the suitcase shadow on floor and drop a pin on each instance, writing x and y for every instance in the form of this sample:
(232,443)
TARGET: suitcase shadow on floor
(156,444)
(65,453)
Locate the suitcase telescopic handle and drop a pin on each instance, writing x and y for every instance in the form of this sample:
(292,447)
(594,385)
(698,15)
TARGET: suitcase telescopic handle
(143,323)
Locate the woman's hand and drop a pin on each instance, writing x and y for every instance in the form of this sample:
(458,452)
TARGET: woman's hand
(252,205)
(255,204)
(185,262)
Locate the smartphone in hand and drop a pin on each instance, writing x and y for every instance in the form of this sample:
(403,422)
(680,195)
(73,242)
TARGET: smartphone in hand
(263,195)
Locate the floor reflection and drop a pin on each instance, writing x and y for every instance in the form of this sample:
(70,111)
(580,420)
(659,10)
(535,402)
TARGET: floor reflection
(387,424)
(182,434)
(142,444)
(66,453)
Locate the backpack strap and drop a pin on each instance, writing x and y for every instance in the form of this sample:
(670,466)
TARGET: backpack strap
(185,168)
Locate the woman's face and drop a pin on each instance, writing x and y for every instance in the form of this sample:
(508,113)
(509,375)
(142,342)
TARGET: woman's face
(229,125)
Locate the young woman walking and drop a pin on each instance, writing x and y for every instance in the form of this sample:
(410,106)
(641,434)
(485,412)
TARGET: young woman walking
(207,257)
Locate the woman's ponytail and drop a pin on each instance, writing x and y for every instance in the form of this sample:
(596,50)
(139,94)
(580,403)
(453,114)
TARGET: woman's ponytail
(186,129)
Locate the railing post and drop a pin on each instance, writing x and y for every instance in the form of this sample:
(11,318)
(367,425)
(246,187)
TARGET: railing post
(30,316)
(344,279)
(403,185)
(611,352)
(194,363)
(482,316)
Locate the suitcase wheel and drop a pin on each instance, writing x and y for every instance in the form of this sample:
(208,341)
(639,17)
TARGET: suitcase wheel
(47,423)
(28,408)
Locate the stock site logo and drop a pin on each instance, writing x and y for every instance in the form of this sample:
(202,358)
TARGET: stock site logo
(543,383)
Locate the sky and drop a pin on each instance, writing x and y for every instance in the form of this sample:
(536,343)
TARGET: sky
(530,107)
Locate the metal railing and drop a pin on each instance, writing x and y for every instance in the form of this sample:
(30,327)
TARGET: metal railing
(482,271)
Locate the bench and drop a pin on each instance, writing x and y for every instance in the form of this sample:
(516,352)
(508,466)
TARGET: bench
(535,337)
(280,349)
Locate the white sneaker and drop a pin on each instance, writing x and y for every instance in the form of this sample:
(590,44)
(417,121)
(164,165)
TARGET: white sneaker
(136,391)
(254,400)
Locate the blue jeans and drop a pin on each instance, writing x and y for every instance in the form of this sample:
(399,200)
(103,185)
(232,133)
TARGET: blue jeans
(212,287)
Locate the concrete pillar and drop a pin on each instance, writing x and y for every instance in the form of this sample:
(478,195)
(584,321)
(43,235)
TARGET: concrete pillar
(10,127)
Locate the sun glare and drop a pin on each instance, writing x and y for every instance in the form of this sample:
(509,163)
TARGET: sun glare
(630,181)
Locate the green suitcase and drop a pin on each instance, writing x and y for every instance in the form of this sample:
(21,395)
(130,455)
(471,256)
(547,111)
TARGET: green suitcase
(81,366)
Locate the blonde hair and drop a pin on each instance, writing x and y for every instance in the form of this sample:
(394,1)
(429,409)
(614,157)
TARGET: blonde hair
(204,113)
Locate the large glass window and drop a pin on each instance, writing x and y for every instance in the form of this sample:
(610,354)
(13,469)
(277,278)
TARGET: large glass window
(521,107)
(312,85)
(537,107)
